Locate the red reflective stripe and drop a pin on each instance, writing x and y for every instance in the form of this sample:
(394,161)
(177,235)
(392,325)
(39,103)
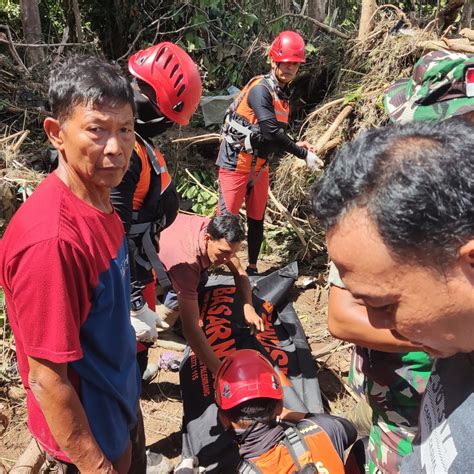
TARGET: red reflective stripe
(470,75)
(470,82)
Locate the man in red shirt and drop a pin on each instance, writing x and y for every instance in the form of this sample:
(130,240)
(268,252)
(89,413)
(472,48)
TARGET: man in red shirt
(65,271)
(188,248)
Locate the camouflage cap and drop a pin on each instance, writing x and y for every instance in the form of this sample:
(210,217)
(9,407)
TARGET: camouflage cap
(435,91)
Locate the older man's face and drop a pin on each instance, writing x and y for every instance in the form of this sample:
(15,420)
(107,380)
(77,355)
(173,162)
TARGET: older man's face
(416,302)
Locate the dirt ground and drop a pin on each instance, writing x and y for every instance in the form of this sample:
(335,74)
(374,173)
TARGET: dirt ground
(161,400)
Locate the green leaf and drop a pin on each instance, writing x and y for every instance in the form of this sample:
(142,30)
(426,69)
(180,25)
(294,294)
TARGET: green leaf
(353,96)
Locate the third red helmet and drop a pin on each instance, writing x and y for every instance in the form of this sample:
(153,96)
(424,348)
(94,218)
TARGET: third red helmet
(244,375)
(173,77)
(288,47)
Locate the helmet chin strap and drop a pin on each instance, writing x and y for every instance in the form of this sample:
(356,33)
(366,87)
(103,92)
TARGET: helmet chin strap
(149,122)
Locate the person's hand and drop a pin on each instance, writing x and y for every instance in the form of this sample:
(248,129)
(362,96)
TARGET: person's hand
(313,161)
(307,146)
(144,324)
(253,320)
(161,325)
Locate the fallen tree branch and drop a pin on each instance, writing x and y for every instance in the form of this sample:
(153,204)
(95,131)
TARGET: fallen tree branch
(331,348)
(210,191)
(30,461)
(10,137)
(12,49)
(327,135)
(467,33)
(289,217)
(20,141)
(322,26)
(39,45)
(206,136)
(446,44)
(335,142)
(391,7)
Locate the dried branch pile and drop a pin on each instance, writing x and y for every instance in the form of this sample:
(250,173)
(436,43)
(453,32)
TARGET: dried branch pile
(355,102)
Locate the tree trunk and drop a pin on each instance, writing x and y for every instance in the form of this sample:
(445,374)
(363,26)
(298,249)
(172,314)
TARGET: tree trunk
(317,9)
(367,10)
(467,14)
(73,19)
(31,22)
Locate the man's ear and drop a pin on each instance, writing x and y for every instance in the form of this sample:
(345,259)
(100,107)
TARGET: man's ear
(53,130)
(466,254)
(207,237)
(278,408)
(226,423)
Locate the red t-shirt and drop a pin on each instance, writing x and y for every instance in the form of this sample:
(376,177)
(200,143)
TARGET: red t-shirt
(64,269)
(183,252)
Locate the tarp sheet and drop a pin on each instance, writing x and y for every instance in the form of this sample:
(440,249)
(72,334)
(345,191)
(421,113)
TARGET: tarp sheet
(215,107)
(283,342)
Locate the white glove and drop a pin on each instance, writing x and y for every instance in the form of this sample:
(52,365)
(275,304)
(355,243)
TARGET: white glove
(161,325)
(144,324)
(313,161)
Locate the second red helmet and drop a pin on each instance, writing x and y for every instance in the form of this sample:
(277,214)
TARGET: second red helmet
(244,375)
(288,47)
(174,78)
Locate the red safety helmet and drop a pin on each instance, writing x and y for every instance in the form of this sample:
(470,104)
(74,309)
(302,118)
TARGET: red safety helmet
(288,47)
(174,78)
(245,375)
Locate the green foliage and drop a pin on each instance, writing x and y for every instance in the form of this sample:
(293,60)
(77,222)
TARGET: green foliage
(353,96)
(10,14)
(279,240)
(204,197)
(10,10)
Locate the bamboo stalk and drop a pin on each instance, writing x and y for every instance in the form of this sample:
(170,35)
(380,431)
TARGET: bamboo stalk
(327,135)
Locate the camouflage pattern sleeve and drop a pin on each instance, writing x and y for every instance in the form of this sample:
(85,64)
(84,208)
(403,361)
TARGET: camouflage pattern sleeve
(436,89)
(394,387)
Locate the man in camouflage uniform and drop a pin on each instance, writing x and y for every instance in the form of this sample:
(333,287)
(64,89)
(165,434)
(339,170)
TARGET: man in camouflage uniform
(436,90)
(393,382)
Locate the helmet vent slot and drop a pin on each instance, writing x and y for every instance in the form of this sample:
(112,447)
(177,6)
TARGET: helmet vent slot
(168,60)
(178,80)
(160,54)
(173,71)
(181,90)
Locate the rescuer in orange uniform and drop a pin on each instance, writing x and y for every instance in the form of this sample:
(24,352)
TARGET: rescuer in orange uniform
(167,89)
(272,439)
(255,128)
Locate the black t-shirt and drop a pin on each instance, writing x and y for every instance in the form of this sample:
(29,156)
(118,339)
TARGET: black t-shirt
(272,137)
